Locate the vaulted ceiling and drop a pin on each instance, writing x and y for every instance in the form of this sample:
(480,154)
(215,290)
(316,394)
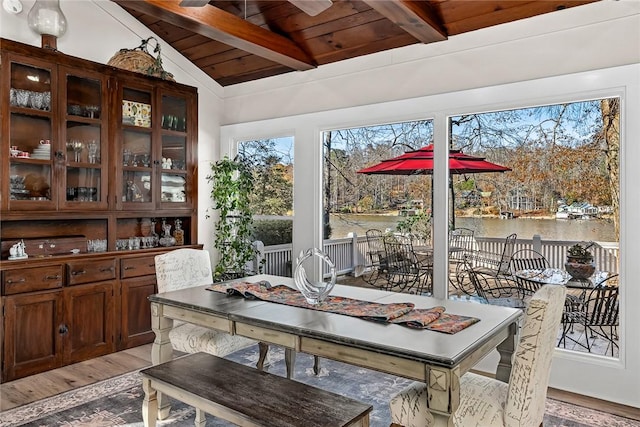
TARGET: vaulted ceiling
(236,41)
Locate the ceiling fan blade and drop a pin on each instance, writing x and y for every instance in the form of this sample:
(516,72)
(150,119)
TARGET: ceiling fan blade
(312,7)
(193,3)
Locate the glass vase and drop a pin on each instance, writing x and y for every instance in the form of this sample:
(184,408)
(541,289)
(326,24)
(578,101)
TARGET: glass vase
(314,292)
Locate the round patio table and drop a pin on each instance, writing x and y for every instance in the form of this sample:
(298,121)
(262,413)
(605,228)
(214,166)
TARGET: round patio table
(558,276)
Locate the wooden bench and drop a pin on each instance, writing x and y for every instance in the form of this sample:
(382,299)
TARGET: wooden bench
(246,396)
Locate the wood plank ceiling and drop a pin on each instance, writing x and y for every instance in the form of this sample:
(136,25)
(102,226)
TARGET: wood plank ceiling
(236,41)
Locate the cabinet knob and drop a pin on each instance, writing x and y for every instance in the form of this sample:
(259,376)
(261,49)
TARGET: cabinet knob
(130,267)
(102,270)
(77,273)
(9,281)
(56,277)
(63,329)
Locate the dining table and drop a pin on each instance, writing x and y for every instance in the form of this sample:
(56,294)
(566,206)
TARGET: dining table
(433,357)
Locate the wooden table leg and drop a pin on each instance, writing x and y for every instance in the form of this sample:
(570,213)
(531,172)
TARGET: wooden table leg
(290,361)
(263,349)
(161,350)
(443,394)
(506,349)
(149,404)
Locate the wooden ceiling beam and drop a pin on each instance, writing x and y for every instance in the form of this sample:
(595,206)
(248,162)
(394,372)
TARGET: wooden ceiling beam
(226,28)
(415,17)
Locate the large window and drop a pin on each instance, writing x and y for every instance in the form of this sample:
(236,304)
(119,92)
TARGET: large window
(271,162)
(549,174)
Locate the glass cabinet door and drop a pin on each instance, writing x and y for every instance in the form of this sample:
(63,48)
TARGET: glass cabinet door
(32,133)
(173,172)
(84,141)
(136,150)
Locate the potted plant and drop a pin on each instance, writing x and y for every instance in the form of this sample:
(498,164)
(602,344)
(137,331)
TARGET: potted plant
(580,263)
(231,184)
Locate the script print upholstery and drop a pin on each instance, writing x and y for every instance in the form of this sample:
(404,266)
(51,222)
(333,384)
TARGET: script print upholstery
(486,402)
(185,268)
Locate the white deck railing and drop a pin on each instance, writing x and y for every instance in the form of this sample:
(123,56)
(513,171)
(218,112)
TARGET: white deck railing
(347,253)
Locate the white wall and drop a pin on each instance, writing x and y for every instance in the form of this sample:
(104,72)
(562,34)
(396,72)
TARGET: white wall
(96,30)
(587,52)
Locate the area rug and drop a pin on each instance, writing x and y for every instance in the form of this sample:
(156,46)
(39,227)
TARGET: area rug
(118,401)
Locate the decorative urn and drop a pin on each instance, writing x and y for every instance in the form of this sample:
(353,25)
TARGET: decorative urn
(579,262)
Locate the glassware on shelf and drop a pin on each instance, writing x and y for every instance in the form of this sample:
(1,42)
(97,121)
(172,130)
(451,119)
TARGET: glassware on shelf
(178,233)
(155,239)
(92,111)
(127,155)
(167,239)
(92,147)
(76,146)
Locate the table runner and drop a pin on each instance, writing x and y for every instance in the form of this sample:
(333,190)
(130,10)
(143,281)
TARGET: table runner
(404,313)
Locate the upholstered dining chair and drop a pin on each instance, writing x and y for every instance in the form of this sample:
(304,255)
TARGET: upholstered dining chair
(486,401)
(185,268)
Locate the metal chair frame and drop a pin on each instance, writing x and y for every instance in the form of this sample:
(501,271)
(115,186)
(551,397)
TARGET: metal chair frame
(598,314)
(527,259)
(490,264)
(405,271)
(490,290)
(376,254)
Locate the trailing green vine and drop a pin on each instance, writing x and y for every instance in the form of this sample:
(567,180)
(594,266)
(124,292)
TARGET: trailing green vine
(231,185)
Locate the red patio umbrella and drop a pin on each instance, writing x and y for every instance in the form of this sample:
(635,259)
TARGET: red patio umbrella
(420,161)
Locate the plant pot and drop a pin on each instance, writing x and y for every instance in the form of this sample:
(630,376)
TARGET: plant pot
(580,270)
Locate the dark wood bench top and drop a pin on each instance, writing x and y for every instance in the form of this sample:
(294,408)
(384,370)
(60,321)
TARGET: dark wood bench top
(264,398)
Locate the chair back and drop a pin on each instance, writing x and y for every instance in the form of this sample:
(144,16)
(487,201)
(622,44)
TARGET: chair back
(601,304)
(507,253)
(375,247)
(463,242)
(528,259)
(529,377)
(183,268)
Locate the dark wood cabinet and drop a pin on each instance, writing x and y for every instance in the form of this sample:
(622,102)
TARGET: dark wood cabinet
(90,317)
(32,334)
(94,161)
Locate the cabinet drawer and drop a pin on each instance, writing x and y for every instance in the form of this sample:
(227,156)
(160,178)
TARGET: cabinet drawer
(138,266)
(31,279)
(91,271)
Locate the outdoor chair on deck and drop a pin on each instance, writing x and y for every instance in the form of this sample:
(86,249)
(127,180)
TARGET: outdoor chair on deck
(377,259)
(186,268)
(405,271)
(486,401)
(527,259)
(598,314)
(461,244)
(505,292)
(490,264)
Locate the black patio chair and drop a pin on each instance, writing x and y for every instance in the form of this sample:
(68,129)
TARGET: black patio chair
(491,291)
(377,260)
(598,314)
(405,271)
(527,259)
(461,243)
(490,264)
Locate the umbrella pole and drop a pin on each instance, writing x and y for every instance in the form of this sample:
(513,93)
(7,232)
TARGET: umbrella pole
(453,204)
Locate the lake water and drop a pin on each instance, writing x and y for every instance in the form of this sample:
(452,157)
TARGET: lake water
(549,229)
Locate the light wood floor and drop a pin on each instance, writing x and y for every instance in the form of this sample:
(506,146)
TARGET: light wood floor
(47,384)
